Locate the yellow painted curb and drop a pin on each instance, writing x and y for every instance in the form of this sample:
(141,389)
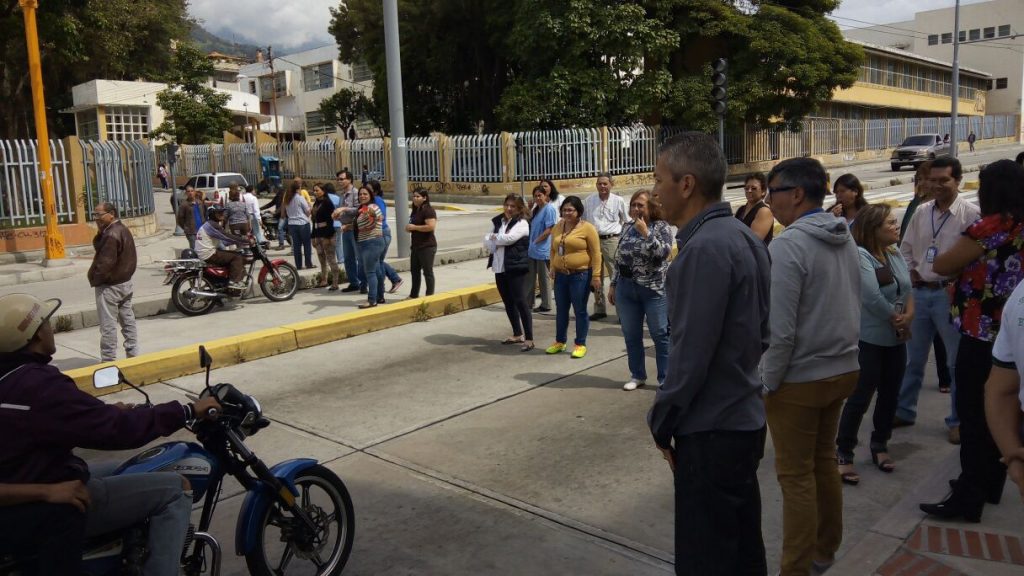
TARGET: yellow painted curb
(184,360)
(972,185)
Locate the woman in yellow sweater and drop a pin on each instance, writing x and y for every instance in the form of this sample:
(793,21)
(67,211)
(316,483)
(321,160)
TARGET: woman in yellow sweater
(576,270)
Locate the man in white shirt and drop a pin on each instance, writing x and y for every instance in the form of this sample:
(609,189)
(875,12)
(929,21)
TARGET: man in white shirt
(252,208)
(935,226)
(607,212)
(1004,396)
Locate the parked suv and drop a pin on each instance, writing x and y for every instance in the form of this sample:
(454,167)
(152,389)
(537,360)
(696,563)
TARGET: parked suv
(216,182)
(918,149)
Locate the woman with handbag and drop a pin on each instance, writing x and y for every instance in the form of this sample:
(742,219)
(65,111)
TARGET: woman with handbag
(508,244)
(887,309)
(638,286)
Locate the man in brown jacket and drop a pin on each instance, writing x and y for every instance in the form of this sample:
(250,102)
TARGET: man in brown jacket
(111,277)
(191,215)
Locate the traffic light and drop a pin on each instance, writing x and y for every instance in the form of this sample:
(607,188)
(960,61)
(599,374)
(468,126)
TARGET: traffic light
(719,84)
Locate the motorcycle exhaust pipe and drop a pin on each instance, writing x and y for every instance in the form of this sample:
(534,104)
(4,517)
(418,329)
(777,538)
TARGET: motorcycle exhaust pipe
(203,294)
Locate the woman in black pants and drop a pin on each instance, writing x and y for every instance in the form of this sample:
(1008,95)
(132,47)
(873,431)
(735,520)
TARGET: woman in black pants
(988,259)
(509,243)
(423,247)
(886,311)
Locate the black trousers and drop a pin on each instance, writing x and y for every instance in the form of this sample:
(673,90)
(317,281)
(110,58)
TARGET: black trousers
(52,533)
(941,366)
(881,369)
(511,286)
(421,259)
(718,504)
(981,472)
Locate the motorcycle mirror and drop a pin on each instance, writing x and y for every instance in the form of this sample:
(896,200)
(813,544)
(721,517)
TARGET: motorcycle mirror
(106,377)
(204,357)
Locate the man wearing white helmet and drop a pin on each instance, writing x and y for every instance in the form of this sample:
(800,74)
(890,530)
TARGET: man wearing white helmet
(43,417)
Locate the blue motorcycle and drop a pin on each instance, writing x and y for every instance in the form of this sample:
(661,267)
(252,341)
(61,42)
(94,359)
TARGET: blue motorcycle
(297,516)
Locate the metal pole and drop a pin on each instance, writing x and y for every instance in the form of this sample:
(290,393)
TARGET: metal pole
(956,81)
(721,132)
(54,239)
(273,102)
(399,161)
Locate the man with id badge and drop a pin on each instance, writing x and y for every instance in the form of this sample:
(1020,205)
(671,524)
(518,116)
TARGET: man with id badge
(935,226)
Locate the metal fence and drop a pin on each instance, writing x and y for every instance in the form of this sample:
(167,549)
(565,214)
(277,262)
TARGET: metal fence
(576,152)
(120,173)
(21,198)
(475,158)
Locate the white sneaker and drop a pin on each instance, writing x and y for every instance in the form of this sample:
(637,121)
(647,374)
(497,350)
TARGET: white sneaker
(633,384)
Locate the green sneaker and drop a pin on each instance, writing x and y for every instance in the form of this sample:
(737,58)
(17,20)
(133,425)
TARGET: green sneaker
(579,351)
(556,348)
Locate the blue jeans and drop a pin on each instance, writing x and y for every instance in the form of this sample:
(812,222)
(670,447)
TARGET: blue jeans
(257,229)
(387,269)
(302,244)
(351,251)
(369,253)
(931,315)
(572,289)
(119,502)
(632,303)
(282,230)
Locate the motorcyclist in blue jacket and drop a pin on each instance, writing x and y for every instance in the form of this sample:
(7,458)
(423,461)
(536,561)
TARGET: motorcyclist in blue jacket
(43,416)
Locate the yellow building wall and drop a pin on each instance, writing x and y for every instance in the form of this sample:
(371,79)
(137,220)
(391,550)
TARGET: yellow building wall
(885,96)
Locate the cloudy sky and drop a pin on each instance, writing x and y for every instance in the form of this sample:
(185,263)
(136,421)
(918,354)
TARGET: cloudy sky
(292,23)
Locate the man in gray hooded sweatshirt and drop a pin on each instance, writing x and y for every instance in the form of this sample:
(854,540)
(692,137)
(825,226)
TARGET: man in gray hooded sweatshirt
(811,364)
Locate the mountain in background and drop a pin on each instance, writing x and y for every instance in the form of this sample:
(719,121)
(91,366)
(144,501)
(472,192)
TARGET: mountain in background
(214,42)
(208,42)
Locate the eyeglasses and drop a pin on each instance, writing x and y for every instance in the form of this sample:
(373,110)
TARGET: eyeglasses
(99,214)
(781,189)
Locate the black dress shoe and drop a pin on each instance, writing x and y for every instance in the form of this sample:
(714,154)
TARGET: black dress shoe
(898,422)
(954,506)
(364,291)
(598,316)
(350,289)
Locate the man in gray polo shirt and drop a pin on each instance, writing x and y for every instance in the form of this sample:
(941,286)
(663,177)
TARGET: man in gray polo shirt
(708,418)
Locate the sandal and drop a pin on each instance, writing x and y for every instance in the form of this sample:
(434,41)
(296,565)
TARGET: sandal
(513,340)
(846,471)
(527,346)
(944,388)
(885,464)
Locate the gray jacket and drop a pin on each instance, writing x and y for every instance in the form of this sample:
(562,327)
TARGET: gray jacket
(815,313)
(717,292)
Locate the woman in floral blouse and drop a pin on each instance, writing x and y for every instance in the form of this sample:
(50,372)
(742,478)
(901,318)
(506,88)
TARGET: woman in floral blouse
(638,286)
(988,258)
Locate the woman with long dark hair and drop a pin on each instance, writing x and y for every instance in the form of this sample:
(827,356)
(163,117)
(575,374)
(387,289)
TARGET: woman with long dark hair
(755,213)
(989,259)
(323,237)
(849,193)
(423,248)
(370,238)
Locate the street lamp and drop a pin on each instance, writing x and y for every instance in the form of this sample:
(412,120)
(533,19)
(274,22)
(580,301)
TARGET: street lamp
(245,105)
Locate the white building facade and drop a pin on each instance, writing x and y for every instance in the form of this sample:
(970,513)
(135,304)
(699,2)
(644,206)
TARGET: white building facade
(301,81)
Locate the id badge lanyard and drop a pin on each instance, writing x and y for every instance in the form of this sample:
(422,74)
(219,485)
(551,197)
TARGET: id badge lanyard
(933,250)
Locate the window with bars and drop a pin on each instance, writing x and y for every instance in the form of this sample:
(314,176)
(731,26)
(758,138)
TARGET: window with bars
(1004,30)
(315,123)
(975,34)
(1001,83)
(947,37)
(280,86)
(318,76)
(361,73)
(933,39)
(989,32)
(88,125)
(127,122)
(962,35)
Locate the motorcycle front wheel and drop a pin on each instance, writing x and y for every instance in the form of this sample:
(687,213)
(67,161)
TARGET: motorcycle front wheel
(191,305)
(287,547)
(284,286)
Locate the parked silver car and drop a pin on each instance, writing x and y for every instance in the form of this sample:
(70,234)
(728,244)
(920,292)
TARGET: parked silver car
(214,185)
(918,149)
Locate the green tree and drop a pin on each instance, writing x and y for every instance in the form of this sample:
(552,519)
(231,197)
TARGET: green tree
(527,64)
(81,41)
(195,112)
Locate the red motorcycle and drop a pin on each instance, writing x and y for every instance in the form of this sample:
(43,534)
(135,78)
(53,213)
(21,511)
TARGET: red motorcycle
(199,286)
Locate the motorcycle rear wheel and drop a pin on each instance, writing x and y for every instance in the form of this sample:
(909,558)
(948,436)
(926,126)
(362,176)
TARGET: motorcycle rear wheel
(323,496)
(192,306)
(286,288)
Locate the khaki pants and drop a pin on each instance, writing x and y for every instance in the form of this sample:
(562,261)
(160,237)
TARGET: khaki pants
(609,249)
(803,419)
